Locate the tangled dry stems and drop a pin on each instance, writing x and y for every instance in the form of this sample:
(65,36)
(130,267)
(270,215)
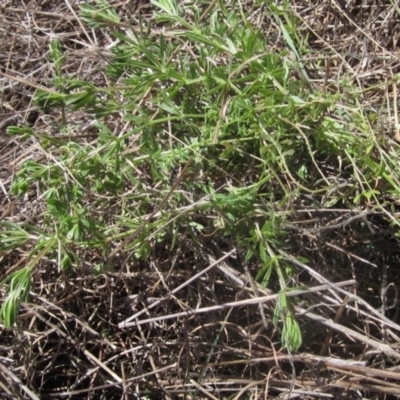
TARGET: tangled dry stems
(71,343)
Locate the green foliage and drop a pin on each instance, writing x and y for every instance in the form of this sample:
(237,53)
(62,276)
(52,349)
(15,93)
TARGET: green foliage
(24,131)
(18,290)
(291,336)
(12,236)
(98,17)
(19,282)
(209,90)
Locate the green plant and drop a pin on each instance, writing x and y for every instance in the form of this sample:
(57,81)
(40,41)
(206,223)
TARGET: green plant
(208,89)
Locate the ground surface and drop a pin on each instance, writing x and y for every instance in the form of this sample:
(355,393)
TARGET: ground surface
(70,340)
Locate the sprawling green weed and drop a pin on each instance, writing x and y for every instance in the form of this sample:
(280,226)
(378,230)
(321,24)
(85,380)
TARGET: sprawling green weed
(209,90)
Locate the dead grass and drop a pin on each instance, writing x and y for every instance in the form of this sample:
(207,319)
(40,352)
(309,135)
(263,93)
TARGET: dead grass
(72,342)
